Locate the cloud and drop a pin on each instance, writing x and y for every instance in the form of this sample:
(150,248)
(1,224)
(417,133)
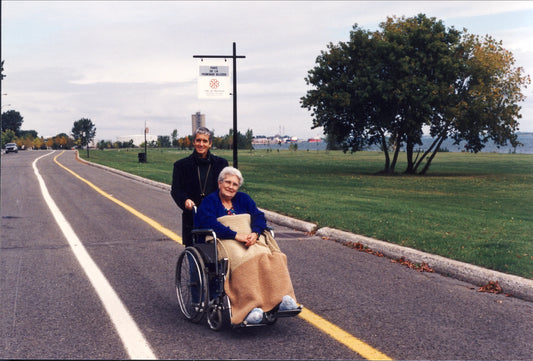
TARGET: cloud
(121,63)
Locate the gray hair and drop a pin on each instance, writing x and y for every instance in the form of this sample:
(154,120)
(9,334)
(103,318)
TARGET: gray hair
(203,130)
(231,171)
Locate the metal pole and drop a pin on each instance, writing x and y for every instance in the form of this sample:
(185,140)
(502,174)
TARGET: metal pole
(235,133)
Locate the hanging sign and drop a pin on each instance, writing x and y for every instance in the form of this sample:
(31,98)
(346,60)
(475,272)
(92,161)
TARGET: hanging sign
(214,82)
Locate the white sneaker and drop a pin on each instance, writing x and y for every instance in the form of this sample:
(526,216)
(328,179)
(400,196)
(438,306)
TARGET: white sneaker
(255,316)
(288,303)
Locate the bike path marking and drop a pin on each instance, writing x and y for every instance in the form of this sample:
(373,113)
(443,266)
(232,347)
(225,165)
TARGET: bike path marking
(132,338)
(335,332)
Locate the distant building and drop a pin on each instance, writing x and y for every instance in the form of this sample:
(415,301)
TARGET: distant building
(198,120)
(276,139)
(138,139)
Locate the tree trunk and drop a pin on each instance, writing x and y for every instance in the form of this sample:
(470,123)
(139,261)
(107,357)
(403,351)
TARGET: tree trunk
(409,153)
(395,157)
(386,151)
(429,150)
(426,167)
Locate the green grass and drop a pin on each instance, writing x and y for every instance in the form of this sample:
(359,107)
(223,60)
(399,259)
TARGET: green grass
(475,208)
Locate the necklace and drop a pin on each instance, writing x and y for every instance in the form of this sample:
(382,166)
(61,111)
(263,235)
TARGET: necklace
(228,207)
(202,189)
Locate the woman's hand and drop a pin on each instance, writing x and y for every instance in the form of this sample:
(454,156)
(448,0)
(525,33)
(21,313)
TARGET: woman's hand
(247,239)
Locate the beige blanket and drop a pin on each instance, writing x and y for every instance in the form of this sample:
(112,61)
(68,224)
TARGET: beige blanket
(259,276)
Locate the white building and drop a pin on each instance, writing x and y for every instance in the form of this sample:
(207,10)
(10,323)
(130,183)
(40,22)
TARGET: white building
(138,139)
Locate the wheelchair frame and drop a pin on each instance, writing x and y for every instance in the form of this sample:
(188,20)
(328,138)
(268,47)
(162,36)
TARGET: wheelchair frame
(200,279)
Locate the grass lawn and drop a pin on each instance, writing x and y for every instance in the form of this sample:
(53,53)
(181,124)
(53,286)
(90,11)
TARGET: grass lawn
(475,208)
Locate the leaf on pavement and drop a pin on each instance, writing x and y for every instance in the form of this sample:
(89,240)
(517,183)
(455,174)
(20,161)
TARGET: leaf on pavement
(491,287)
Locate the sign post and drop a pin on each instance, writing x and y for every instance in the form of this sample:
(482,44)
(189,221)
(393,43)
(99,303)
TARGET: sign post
(214,83)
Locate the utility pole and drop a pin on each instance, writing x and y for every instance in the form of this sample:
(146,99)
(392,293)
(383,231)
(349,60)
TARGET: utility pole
(234,56)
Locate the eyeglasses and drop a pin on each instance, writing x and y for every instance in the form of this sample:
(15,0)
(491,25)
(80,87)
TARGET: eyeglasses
(229,183)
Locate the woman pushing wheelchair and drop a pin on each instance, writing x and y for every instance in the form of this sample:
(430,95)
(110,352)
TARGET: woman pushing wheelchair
(259,280)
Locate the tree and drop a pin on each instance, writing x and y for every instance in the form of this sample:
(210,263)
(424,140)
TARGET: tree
(484,102)
(12,120)
(352,100)
(83,131)
(226,142)
(421,70)
(385,87)
(174,136)
(7,137)
(28,133)
(247,139)
(62,141)
(37,143)
(163,141)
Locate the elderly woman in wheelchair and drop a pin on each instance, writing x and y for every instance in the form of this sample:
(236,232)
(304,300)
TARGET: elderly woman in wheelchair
(236,271)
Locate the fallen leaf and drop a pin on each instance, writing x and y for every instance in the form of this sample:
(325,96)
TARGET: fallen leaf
(491,287)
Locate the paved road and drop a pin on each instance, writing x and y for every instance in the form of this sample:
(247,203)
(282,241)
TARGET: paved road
(50,309)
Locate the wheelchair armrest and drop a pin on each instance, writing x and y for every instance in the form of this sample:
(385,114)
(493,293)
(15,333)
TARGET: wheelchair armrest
(270,230)
(203,231)
(201,234)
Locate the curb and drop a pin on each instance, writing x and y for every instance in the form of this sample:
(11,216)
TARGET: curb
(518,287)
(125,174)
(288,221)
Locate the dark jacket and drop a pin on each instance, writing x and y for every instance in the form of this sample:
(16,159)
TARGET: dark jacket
(186,185)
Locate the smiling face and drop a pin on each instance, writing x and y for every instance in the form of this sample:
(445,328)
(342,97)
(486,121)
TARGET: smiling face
(202,144)
(228,187)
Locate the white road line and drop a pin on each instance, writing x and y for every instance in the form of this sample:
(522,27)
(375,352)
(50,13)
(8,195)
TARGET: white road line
(132,338)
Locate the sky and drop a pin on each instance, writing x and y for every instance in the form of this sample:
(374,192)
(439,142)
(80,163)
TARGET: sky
(126,63)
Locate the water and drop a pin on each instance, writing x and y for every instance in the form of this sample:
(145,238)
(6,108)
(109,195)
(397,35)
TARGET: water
(525,138)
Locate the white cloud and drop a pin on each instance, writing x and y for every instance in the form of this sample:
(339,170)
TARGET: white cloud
(121,63)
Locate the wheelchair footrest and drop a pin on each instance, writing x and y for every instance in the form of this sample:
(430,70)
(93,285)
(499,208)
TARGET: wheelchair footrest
(275,314)
(245,324)
(289,313)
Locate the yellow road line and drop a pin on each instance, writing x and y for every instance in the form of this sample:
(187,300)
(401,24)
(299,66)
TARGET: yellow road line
(335,332)
(167,232)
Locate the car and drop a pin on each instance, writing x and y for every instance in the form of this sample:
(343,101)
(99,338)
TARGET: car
(11,147)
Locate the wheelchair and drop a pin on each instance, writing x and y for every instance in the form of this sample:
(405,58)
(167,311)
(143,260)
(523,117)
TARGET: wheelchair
(200,278)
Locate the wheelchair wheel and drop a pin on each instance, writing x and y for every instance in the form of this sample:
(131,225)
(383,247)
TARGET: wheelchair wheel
(218,315)
(191,284)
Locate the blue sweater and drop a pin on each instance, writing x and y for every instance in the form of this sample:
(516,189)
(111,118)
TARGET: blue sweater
(212,208)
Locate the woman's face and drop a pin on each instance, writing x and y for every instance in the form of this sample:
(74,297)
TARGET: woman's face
(229,186)
(202,144)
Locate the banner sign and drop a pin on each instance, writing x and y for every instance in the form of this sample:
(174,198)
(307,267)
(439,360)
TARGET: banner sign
(214,82)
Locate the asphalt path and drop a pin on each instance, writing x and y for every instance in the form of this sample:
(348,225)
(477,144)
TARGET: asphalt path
(50,309)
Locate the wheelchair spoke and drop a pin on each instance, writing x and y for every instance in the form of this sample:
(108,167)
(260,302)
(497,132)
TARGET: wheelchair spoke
(191,286)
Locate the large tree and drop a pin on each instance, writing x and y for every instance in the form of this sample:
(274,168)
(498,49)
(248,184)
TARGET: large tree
(386,87)
(347,93)
(12,120)
(419,69)
(83,131)
(483,103)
